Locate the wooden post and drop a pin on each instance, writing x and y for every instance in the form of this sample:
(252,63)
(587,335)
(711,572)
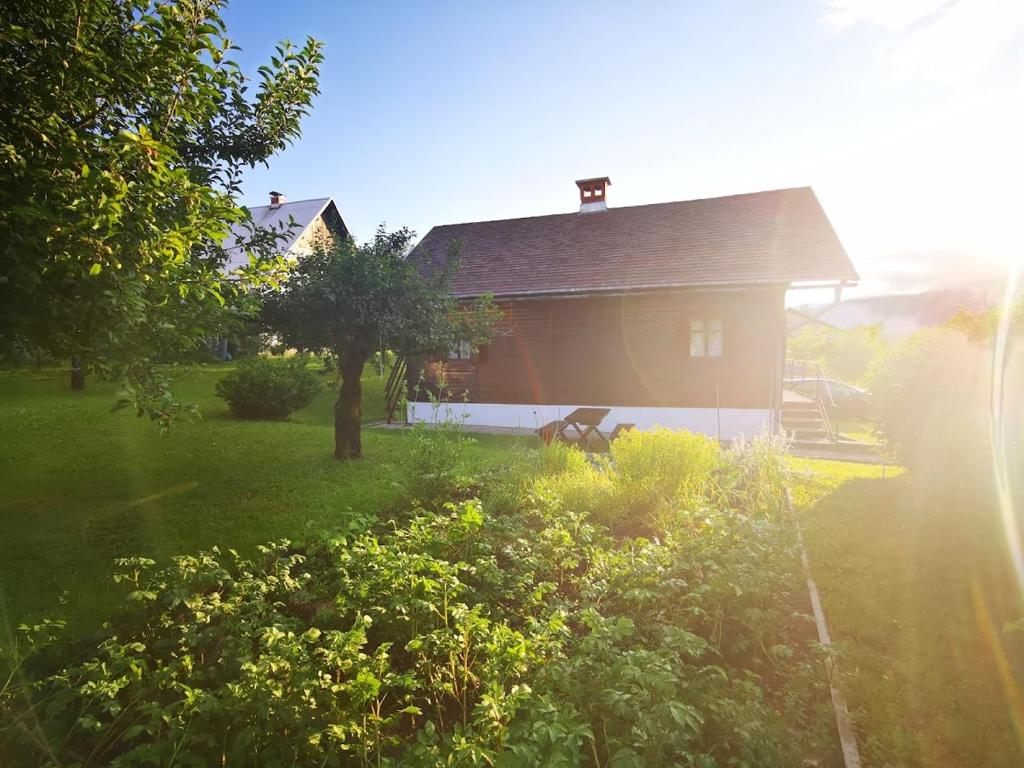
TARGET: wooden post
(718,412)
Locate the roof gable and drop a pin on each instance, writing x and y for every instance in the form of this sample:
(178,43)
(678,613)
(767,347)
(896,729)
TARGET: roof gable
(292,218)
(774,237)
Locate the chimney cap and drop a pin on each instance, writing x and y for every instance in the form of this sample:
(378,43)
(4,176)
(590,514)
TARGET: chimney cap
(276,198)
(593,193)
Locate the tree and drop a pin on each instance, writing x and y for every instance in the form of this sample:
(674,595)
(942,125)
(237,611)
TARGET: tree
(984,325)
(125,130)
(930,397)
(846,353)
(351,300)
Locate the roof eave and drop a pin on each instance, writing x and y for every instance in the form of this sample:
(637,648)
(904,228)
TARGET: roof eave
(721,285)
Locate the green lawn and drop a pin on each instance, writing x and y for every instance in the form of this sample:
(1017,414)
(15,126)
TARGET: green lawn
(918,591)
(82,486)
(915,581)
(861,430)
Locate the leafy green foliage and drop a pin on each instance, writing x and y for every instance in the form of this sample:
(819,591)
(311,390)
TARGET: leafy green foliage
(982,326)
(651,481)
(930,397)
(125,489)
(352,300)
(263,388)
(442,456)
(510,632)
(845,353)
(126,128)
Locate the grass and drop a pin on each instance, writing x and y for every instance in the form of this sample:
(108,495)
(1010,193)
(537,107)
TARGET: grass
(914,577)
(82,486)
(861,430)
(920,597)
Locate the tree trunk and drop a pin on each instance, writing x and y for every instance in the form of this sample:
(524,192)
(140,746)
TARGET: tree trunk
(77,374)
(348,411)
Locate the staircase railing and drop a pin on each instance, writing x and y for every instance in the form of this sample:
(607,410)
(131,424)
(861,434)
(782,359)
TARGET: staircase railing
(394,389)
(807,370)
(829,429)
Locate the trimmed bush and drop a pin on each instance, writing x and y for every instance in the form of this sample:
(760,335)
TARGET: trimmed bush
(263,388)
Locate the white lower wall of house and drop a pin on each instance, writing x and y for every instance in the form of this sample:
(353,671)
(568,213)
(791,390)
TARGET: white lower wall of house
(726,423)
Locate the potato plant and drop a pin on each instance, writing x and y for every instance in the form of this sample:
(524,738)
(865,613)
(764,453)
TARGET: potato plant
(509,630)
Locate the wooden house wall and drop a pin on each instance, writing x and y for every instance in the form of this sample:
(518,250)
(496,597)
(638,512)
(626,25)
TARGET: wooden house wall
(631,350)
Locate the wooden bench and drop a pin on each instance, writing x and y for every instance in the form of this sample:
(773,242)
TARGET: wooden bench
(619,429)
(552,430)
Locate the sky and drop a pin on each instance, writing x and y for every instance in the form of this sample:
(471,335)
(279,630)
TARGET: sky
(905,116)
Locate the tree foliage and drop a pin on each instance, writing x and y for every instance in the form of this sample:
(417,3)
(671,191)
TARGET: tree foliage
(982,326)
(352,300)
(125,130)
(846,353)
(930,399)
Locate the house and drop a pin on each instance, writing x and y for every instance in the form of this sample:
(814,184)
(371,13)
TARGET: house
(305,223)
(670,314)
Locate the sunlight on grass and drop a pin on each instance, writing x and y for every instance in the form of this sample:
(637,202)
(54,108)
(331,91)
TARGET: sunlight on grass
(921,599)
(171,491)
(83,486)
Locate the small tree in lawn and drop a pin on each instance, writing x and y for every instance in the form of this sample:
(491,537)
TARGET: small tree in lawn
(349,300)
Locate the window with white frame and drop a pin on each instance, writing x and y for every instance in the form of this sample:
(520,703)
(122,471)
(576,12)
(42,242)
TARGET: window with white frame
(460,350)
(706,338)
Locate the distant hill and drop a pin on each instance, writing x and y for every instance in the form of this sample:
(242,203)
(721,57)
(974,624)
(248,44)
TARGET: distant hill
(902,314)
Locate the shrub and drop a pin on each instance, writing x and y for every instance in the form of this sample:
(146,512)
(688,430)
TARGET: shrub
(558,458)
(530,637)
(752,476)
(264,388)
(671,463)
(441,456)
(640,487)
(930,398)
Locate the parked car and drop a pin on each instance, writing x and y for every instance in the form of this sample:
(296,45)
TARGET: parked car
(840,399)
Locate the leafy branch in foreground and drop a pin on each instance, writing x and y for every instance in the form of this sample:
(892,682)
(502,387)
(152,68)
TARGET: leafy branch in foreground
(124,135)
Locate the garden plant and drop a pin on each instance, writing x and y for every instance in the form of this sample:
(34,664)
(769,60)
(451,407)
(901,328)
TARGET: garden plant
(263,388)
(552,611)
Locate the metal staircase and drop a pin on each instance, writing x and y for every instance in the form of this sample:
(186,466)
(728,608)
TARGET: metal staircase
(807,421)
(805,416)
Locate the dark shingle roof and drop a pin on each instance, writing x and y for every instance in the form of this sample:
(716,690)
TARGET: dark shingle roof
(780,236)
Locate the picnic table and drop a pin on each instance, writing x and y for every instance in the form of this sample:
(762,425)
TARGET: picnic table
(584,422)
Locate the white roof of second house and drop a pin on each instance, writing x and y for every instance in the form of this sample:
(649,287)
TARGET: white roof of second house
(278,218)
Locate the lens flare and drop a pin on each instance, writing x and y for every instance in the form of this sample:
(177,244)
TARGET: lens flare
(1001,426)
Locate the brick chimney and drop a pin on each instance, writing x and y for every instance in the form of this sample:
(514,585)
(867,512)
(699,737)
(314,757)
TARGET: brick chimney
(593,193)
(276,198)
